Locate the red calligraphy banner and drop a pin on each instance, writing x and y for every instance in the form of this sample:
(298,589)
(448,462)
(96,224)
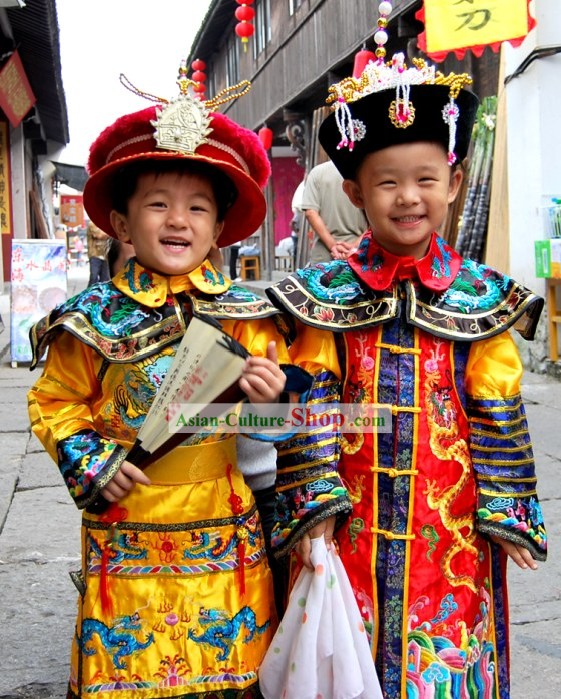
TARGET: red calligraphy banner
(16,95)
(471,25)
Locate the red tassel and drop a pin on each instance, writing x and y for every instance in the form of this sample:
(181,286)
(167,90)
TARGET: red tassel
(106,603)
(112,516)
(241,533)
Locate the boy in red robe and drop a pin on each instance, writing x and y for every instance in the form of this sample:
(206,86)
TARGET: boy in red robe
(425,514)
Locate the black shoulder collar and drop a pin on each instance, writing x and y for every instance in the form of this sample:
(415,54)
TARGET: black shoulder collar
(121,329)
(479,303)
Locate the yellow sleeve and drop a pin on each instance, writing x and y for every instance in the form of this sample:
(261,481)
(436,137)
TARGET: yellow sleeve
(61,416)
(314,350)
(494,368)
(501,448)
(308,461)
(255,335)
(59,402)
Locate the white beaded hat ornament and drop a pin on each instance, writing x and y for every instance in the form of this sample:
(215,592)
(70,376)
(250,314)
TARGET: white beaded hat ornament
(390,103)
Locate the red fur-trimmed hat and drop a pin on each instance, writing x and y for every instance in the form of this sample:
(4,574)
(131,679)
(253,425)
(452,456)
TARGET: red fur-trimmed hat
(183,129)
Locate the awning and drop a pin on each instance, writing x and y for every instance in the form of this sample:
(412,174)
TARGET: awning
(74,176)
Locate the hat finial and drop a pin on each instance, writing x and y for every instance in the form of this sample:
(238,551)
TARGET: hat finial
(378,76)
(184,123)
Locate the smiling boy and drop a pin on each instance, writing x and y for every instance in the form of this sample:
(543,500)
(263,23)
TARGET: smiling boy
(164,608)
(449,491)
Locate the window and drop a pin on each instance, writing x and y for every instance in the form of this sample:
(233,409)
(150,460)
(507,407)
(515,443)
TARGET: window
(293,5)
(232,61)
(262,25)
(210,84)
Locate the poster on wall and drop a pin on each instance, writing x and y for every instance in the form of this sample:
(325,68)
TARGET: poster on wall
(39,284)
(72,210)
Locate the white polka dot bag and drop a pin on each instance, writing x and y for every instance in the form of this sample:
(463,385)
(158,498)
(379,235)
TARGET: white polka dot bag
(320,650)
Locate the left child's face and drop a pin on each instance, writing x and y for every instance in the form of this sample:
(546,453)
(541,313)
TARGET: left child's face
(405,191)
(171,221)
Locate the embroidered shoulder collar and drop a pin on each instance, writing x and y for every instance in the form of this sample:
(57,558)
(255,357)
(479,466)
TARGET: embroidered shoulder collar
(138,312)
(478,303)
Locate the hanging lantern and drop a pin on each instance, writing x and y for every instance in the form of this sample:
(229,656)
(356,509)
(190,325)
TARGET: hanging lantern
(244,14)
(266,137)
(199,77)
(198,64)
(362,59)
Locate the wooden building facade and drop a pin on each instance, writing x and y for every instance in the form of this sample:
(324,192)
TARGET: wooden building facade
(33,121)
(299,48)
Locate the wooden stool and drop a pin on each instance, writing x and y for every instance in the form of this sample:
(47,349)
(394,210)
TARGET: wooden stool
(249,267)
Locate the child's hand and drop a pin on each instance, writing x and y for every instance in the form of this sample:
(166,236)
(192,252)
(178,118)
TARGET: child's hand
(520,555)
(124,481)
(262,379)
(304,546)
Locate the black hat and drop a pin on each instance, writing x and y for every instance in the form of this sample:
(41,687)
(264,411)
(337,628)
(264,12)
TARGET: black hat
(390,105)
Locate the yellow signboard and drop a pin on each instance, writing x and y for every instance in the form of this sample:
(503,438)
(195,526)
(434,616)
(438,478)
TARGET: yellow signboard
(458,25)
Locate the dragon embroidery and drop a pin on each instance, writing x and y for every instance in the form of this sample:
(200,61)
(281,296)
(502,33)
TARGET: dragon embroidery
(220,631)
(125,546)
(214,547)
(116,639)
(134,396)
(446,445)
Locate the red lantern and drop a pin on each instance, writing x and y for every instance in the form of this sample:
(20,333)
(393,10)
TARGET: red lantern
(244,29)
(362,58)
(199,90)
(266,137)
(245,13)
(198,64)
(198,76)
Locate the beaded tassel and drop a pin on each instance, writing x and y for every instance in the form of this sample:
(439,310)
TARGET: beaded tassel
(344,121)
(450,114)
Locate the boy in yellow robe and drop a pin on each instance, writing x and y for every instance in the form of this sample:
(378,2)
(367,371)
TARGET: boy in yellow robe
(175,591)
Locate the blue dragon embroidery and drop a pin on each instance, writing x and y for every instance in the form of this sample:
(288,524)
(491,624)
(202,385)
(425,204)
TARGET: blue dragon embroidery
(94,305)
(137,278)
(217,548)
(332,281)
(139,388)
(221,631)
(466,296)
(124,547)
(115,639)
